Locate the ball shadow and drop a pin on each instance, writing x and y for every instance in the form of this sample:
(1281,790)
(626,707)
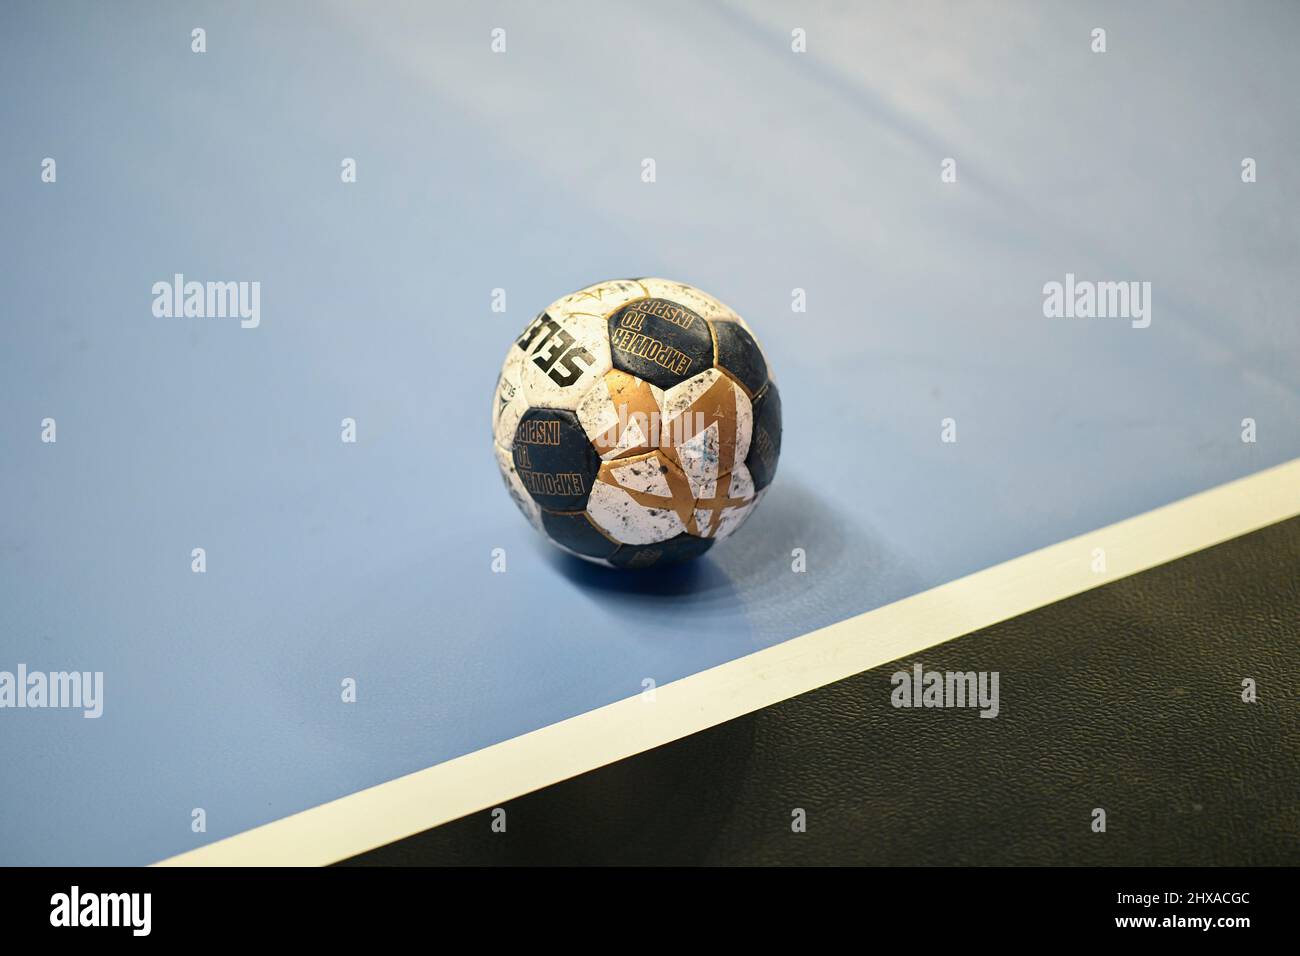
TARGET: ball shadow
(799,563)
(802,562)
(790,516)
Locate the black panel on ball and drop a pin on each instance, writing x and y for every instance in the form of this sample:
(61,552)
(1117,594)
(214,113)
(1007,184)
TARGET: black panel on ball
(739,355)
(684,547)
(765,446)
(660,341)
(554,459)
(577,533)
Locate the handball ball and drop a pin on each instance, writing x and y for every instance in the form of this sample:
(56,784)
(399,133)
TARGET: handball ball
(636,422)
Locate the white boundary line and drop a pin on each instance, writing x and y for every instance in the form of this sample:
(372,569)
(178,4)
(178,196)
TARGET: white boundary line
(494,775)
